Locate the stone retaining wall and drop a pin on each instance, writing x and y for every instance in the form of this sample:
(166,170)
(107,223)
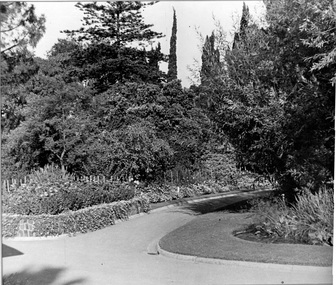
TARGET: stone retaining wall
(26,228)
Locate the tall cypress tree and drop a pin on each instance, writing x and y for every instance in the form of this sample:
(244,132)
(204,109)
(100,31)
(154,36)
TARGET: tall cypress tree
(172,63)
(244,22)
(210,60)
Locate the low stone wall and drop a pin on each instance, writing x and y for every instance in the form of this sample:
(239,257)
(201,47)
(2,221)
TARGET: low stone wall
(26,228)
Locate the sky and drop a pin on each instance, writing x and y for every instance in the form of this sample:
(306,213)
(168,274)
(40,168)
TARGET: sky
(193,18)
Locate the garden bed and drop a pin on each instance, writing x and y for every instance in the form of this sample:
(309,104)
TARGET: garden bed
(52,203)
(211,236)
(250,233)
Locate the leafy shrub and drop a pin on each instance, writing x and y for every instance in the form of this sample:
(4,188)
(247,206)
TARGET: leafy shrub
(316,215)
(272,217)
(49,191)
(85,220)
(310,220)
(63,196)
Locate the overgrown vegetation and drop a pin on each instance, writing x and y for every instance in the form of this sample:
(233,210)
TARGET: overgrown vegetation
(52,191)
(100,105)
(309,220)
(272,94)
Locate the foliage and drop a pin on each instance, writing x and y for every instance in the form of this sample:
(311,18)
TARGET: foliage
(20,26)
(133,129)
(210,60)
(54,122)
(172,62)
(87,109)
(310,220)
(51,191)
(112,22)
(184,125)
(316,215)
(82,221)
(270,99)
(135,151)
(309,108)
(315,24)
(240,36)
(112,36)
(145,130)
(17,67)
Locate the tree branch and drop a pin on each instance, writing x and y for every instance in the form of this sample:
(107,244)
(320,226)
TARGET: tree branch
(13,46)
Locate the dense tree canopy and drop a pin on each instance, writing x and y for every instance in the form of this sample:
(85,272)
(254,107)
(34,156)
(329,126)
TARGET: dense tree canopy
(275,100)
(20,29)
(99,104)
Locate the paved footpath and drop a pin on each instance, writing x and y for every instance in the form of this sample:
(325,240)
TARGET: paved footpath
(125,254)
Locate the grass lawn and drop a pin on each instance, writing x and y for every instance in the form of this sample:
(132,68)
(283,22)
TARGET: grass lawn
(210,235)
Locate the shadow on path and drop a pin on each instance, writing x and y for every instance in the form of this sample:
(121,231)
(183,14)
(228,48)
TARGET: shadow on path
(46,276)
(8,251)
(205,207)
(231,204)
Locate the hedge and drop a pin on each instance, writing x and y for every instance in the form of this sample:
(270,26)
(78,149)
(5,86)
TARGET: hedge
(56,197)
(103,215)
(72,222)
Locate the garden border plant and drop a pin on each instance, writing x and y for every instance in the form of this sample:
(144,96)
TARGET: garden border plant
(72,222)
(309,220)
(53,203)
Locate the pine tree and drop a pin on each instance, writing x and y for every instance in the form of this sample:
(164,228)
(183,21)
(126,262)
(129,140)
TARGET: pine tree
(172,63)
(114,34)
(117,23)
(210,60)
(244,22)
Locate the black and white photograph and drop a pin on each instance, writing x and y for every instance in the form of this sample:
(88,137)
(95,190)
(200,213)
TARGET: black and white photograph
(167,142)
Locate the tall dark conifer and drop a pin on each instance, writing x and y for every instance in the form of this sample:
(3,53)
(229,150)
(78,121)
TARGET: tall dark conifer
(113,33)
(210,60)
(155,56)
(244,22)
(172,63)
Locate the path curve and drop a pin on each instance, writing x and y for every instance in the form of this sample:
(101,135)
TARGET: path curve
(126,254)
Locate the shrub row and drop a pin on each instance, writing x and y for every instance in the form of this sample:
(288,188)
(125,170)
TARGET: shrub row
(56,197)
(54,194)
(71,222)
(51,191)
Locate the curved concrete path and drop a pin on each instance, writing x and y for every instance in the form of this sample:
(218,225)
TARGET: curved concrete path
(126,254)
